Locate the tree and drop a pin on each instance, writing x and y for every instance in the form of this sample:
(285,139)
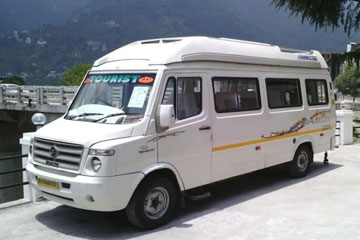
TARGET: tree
(15,80)
(328,13)
(74,75)
(349,82)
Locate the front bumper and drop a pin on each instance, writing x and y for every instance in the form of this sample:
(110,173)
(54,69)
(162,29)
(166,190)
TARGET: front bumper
(91,193)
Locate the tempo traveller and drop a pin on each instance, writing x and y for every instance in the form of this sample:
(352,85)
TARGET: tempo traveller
(157,118)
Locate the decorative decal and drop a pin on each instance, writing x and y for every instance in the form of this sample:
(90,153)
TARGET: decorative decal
(87,80)
(173,134)
(317,117)
(146,80)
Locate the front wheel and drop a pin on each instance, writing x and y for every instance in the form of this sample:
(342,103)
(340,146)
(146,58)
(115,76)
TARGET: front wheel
(300,165)
(153,203)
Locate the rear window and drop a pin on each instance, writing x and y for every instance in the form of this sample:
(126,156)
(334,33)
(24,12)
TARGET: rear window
(316,92)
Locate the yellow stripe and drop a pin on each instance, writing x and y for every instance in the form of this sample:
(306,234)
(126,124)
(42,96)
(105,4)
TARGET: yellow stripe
(242,144)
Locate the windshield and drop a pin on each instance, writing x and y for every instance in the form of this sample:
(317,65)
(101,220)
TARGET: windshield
(112,98)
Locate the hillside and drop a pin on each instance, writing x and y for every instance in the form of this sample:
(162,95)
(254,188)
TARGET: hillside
(22,15)
(99,28)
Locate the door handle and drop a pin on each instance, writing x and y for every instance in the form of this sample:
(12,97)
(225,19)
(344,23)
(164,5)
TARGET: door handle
(204,128)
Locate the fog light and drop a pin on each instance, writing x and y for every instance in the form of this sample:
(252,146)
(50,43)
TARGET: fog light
(96,164)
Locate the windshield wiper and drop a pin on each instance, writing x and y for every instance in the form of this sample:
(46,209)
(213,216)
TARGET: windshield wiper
(83,115)
(114,115)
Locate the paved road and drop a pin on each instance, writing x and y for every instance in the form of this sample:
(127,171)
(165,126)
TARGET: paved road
(261,205)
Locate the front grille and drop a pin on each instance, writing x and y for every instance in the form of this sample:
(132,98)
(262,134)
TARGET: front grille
(65,155)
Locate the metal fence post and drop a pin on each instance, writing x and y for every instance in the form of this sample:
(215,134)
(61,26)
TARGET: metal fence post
(39,95)
(18,95)
(1,95)
(61,95)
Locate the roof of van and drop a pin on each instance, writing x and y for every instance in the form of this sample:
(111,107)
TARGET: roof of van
(185,49)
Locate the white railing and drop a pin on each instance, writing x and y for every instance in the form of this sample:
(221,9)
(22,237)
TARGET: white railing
(53,99)
(355,106)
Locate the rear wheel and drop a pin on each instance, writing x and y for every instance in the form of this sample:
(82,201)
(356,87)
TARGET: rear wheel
(153,203)
(301,164)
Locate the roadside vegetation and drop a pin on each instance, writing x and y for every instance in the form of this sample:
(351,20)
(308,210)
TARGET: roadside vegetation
(348,83)
(73,76)
(14,79)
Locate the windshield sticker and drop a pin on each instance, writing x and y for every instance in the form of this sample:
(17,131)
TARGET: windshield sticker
(138,97)
(130,78)
(146,79)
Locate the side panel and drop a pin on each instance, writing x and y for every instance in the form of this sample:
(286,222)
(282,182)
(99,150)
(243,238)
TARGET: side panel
(185,146)
(287,126)
(236,149)
(323,116)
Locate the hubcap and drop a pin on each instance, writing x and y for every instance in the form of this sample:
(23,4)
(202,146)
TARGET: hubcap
(156,203)
(302,161)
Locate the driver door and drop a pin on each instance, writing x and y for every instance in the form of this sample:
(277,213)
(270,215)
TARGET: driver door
(187,145)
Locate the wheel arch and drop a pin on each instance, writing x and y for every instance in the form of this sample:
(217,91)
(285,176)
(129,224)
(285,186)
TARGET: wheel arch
(304,141)
(165,170)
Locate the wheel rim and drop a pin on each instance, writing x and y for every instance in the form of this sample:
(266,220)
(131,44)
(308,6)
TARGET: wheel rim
(302,161)
(156,203)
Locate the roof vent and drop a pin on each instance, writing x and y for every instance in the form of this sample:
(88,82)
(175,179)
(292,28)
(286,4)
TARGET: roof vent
(151,42)
(171,40)
(291,50)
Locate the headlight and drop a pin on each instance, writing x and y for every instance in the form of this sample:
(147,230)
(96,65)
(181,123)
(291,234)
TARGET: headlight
(102,152)
(96,164)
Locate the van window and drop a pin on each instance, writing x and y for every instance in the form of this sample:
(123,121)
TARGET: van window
(187,100)
(283,93)
(188,97)
(236,94)
(316,92)
(169,96)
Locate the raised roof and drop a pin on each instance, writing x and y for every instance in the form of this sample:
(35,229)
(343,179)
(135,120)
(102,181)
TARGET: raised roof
(176,50)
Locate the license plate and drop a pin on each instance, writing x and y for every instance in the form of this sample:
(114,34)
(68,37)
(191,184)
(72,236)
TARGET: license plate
(48,183)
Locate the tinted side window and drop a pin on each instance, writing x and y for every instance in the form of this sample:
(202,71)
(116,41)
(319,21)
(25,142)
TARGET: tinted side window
(188,97)
(283,93)
(236,94)
(169,95)
(316,92)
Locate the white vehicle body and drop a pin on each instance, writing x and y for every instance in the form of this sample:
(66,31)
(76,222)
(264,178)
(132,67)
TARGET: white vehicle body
(219,141)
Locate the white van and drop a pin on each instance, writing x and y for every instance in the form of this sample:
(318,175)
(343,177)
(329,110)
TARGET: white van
(156,118)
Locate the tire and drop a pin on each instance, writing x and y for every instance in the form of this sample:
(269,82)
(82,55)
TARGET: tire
(153,203)
(301,164)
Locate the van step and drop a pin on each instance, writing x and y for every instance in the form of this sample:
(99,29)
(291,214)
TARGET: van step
(199,197)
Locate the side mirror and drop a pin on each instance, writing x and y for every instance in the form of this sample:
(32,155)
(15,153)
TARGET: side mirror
(165,117)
